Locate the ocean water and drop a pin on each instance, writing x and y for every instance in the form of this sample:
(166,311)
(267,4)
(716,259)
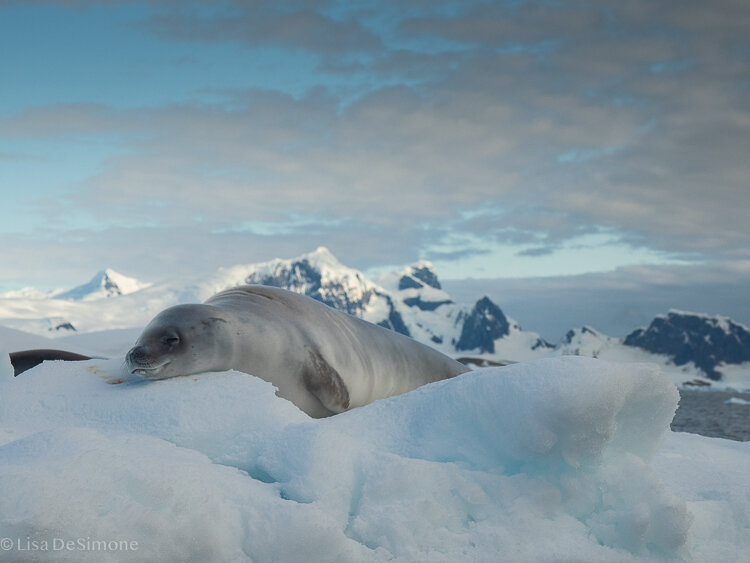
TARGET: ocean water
(707,413)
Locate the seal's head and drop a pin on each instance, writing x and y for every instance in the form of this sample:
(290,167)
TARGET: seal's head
(182,340)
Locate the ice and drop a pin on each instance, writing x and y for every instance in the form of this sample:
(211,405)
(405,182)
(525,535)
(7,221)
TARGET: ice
(736,401)
(711,474)
(557,459)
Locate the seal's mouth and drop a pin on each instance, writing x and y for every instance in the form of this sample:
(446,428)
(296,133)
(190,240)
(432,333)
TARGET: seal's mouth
(149,372)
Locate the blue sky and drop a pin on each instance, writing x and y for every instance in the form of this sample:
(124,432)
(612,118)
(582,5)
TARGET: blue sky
(500,140)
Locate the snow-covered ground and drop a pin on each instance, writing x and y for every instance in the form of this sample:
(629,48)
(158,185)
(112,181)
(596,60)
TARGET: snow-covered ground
(559,459)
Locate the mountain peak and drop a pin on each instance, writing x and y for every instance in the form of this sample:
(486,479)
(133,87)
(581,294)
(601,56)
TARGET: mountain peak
(320,257)
(418,275)
(483,326)
(106,283)
(724,323)
(319,274)
(424,271)
(582,331)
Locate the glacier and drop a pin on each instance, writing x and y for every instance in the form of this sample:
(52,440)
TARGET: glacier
(557,459)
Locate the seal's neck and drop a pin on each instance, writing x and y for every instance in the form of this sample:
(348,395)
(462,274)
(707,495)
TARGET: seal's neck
(222,350)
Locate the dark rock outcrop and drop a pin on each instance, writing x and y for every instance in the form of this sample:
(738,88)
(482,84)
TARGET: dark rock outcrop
(482,327)
(688,337)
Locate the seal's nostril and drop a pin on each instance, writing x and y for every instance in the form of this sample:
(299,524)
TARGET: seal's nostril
(135,355)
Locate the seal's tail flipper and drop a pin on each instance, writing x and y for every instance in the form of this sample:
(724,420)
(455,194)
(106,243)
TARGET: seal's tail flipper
(27,359)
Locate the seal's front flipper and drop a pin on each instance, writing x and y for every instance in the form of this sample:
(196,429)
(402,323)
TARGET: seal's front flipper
(326,384)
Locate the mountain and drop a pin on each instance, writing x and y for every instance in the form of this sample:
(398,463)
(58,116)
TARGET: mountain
(321,276)
(706,341)
(485,325)
(410,301)
(421,277)
(428,313)
(104,284)
(584,341)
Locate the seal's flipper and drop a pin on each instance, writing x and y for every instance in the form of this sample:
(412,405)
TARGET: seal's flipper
(326,384)
(27,359)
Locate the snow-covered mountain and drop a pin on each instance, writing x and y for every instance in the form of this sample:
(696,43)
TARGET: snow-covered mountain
(410,301)
(104,284)
(321,276)
(706,341)
(428,313)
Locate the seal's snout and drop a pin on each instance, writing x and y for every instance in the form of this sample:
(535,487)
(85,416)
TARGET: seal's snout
(142,361)
(135,357)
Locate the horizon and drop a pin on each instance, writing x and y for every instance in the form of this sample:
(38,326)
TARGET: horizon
(578,163)
(464,292)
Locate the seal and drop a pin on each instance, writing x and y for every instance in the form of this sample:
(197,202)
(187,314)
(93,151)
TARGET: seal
(27,359)
(322,360)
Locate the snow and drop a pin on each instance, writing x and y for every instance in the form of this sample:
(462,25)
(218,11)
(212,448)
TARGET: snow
(337,282)
(118,312)
(587,341)
(722,322)
(390,281)
(104,344)
(520,345)
(438,328)
(104,284)
(321,260)
(6,368)
(440,323)
(710,474)
(13,340)
(557,459)
(733,377)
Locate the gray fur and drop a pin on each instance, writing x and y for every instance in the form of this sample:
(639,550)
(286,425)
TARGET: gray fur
(323,360)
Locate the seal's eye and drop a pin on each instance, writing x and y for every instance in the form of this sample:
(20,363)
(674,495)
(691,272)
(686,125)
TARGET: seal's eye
(170,339)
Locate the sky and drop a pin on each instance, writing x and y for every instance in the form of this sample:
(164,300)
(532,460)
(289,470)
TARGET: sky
(591,156)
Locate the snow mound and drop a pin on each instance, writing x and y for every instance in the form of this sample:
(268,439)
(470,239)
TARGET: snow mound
(548,460)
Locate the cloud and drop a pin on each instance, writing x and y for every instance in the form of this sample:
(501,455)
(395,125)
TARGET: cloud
(55,257)
(291,24)
(61,120)
(446,110)
(501,23)
(537,251)
(615,303)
